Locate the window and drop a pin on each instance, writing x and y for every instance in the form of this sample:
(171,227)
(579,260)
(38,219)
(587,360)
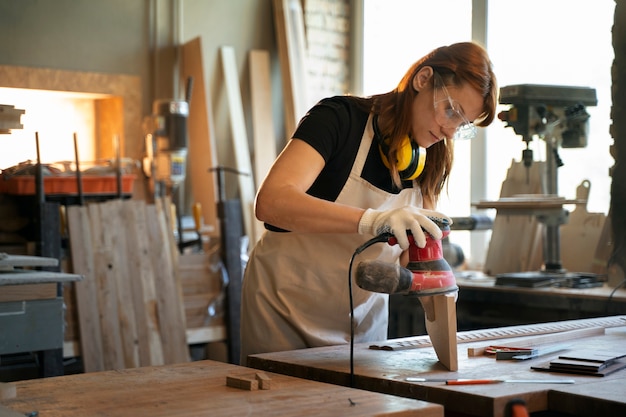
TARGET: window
(556,42)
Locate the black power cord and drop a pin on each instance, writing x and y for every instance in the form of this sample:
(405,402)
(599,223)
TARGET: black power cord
(608,300)
(384,237)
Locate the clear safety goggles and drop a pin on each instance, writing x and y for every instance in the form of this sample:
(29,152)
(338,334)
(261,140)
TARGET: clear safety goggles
(448,113)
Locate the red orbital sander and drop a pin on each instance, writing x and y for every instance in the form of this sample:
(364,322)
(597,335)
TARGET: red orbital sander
(427,272)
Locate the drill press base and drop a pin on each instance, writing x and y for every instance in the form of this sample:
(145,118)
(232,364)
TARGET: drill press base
(537,279)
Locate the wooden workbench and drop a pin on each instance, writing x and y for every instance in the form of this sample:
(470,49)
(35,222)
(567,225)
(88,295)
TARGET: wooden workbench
(198,389)
(386,371)
(483,305)
(32,309)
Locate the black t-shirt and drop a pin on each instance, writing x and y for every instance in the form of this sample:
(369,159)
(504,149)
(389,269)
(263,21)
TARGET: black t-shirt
(334,127)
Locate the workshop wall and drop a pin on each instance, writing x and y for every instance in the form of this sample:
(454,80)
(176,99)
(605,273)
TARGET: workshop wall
(139,38)
(107,37)
(327,30)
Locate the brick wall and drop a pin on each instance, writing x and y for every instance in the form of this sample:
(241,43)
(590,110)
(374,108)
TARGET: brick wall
(327,26)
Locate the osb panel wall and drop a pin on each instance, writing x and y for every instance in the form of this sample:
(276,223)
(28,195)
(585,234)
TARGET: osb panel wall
(120,114)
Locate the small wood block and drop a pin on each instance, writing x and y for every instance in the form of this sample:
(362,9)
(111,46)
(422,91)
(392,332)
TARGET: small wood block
(7,412)
(242,382)
(265,382)
(7,391)
(442,330)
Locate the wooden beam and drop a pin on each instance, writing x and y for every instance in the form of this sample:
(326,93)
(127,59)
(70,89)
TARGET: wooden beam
(240,140)
(202,149)
(83,262)
(292,53)
(263,132)
(441,327)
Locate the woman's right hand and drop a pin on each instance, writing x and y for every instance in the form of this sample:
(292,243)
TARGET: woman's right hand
(398,221)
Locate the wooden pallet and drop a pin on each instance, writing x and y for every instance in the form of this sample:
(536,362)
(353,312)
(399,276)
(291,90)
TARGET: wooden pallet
(129,305)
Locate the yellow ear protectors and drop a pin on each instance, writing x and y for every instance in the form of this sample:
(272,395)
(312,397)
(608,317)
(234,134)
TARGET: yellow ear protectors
(410,157)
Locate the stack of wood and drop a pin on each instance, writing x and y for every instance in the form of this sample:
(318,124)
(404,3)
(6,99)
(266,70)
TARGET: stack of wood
(596,363)
(129,305)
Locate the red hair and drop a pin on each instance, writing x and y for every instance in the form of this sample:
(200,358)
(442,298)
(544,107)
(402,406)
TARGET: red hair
(458,64)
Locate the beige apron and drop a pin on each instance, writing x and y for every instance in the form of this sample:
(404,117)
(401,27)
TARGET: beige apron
(295,287)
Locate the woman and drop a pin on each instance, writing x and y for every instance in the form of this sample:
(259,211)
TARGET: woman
(353,169)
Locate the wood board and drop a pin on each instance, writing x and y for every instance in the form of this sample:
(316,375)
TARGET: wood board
(200,389)
(507,332)
(292,54)
(130,309)
(144,299)
(441,327)
(202,154)
(240,141)
(83,261)
(263,131)
(388,372)
(516,240)
(203,289)
(580,236)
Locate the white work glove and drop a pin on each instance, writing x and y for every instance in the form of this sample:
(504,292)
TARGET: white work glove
(398,221)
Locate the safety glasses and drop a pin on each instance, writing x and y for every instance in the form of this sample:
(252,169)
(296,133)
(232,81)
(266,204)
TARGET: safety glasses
(448,113)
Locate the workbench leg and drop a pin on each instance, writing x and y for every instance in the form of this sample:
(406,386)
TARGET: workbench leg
(440,312)
(51,363)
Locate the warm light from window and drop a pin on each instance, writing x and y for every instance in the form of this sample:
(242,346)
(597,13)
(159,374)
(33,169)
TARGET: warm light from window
(56,116)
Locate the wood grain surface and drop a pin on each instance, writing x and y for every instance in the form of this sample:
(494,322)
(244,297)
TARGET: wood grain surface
(386,371)
(199,389)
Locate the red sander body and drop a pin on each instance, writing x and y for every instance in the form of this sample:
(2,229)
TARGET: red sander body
(427,273)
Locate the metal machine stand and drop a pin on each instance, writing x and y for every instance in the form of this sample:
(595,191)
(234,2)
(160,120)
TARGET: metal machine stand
(231,230)
(557,115)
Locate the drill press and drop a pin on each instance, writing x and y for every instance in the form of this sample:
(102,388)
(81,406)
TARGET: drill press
(557,115)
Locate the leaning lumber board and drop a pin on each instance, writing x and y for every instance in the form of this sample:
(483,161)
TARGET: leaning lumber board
(516,239)
(240,140)
(141,277)
(292,53)
(112,349)
(263,132)
(169,297)
(86,290)
(581,233)
(603,250)
(116,238)
(202,150)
